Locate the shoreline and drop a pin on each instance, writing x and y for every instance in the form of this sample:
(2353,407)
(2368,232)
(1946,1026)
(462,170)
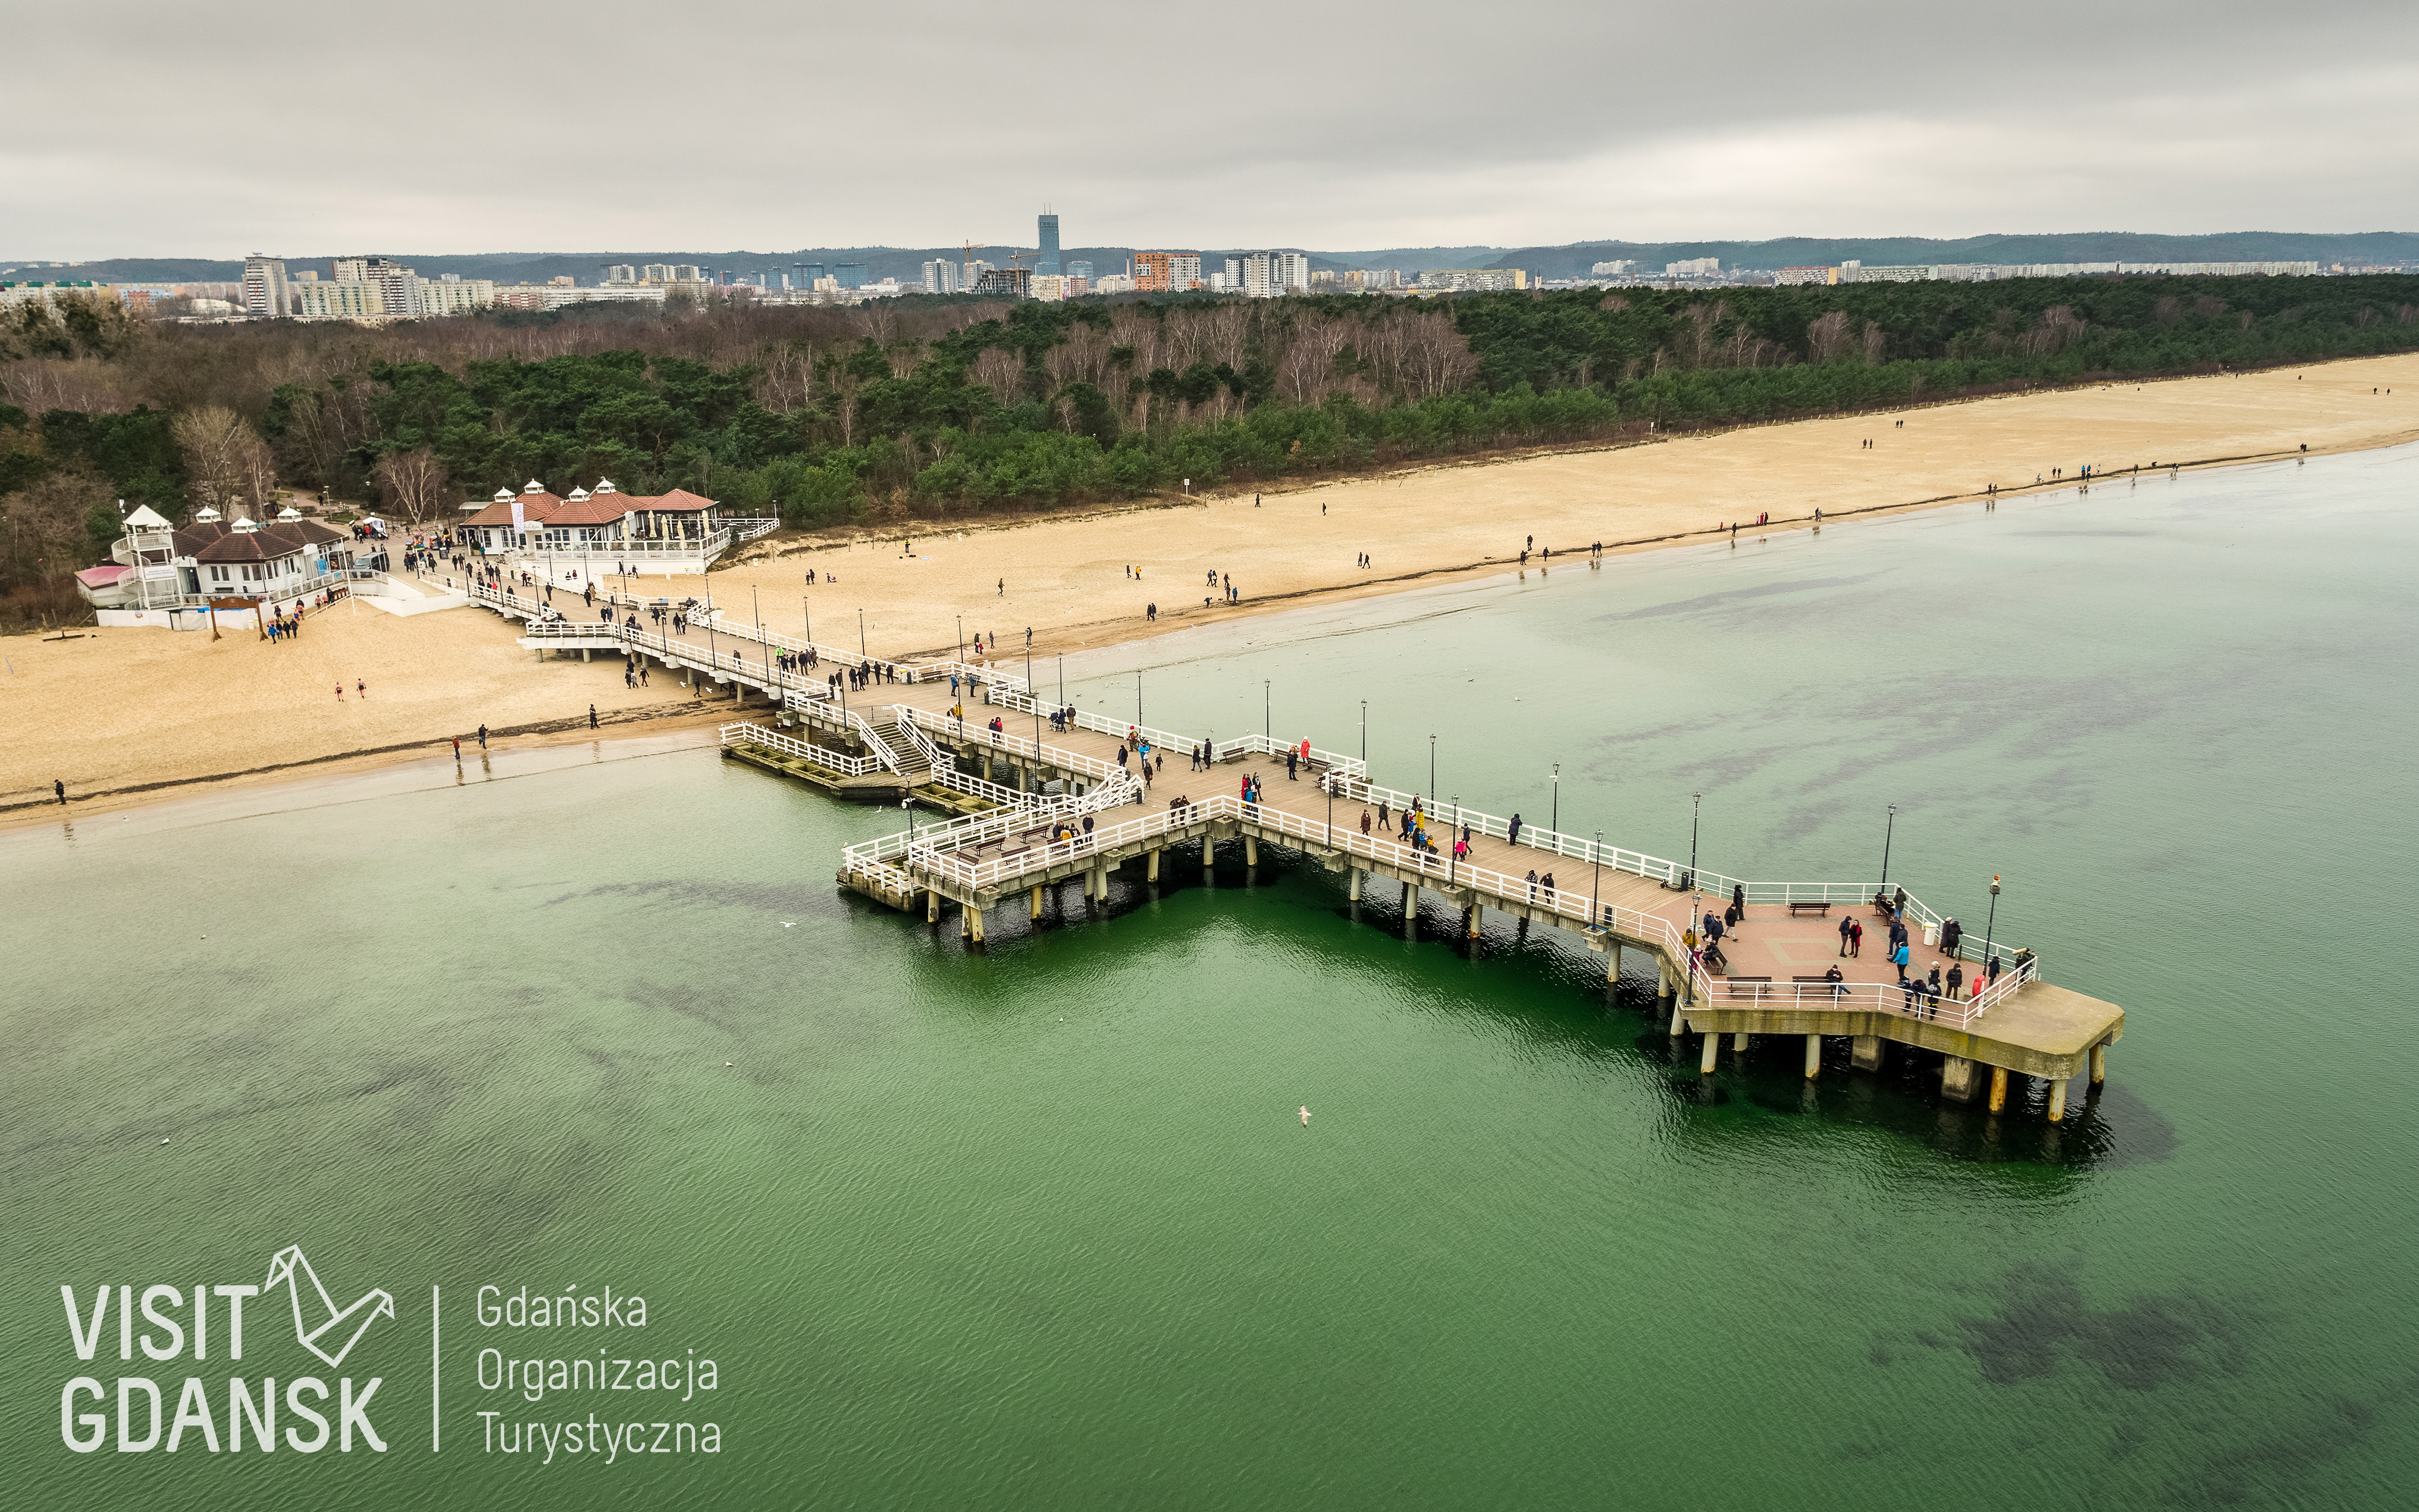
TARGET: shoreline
(144,708)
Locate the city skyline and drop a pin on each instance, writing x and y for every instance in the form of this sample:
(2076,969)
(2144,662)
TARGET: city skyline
(1901,120)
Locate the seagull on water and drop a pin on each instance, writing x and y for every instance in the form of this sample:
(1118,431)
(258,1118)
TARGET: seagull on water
(1305,1117)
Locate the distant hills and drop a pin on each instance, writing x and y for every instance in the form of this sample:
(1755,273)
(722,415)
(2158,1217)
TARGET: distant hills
(1572,260)
(2079,247)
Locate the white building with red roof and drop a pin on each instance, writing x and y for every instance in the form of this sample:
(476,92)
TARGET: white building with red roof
(674,532)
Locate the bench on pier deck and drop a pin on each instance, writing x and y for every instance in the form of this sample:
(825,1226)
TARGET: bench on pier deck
(1818,984)
(1748,986)
(1799,910)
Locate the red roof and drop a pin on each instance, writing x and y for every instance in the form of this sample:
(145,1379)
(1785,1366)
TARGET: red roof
(102,576)
(600,509)
(680,500)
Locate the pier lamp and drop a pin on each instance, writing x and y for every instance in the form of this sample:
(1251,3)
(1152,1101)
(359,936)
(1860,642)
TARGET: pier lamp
(1062,679)
(1035,704)
(962,637)
(1267,725)
(1992,922)
(1555,823)
(860,634)
(756,607)
(1137,696)
(808,610)
(1365,739)
(1696,803)
(1431,766)
(1596,854)
(1888,827)
(1329,783)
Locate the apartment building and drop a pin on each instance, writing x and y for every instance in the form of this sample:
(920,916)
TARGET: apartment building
(264,287)
(1167,273)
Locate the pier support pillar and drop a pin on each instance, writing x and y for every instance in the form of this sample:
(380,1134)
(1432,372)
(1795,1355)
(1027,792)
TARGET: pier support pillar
(1998,1089)
(1037,900)
(932,906)
(1813,1055)
(1411,899)
(1738,1042)
(1957,1079)
(1153,875)
(1865,1052)
(2058,1101)
(1100,882)
(1612,960)
(1208,863)
(1477,914)
(1705,1060)
(2099,1064)
(583,653)
(1251,851)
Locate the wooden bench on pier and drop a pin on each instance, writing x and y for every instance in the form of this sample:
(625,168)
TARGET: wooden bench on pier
(1820,984)
(1801,910)
(1748,986)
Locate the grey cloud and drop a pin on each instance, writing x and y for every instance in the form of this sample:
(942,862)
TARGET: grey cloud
(508,125)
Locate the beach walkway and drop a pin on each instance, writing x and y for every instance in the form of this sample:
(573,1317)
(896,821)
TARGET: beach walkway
(1037,804)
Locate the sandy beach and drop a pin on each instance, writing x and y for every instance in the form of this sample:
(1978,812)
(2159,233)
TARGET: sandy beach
(123,715)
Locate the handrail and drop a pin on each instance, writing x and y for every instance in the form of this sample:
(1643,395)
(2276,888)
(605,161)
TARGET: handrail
(756,735)
(873,743)
(945,768)
(1100,723)
(1350,766)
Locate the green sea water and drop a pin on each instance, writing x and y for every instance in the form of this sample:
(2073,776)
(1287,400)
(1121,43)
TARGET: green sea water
(1037,1226)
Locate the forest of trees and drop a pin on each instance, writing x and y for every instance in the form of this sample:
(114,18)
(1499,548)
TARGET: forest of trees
(935,407)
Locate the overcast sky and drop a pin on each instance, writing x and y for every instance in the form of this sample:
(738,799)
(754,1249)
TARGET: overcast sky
(146,128)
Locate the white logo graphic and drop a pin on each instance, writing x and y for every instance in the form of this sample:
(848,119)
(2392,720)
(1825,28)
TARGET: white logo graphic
(359,1316)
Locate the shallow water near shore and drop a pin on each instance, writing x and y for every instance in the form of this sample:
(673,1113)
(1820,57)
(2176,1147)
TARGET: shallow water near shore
(1038,1225)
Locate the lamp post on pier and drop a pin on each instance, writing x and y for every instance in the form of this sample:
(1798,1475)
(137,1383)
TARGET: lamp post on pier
(1365,739)
(1991,925)
(1888,828)
(1555,823)
(1035,706)
(1431,766)
(962,637)
(1453,845)
(861,656)
(1267,725)
(1696,803)
(1597,856)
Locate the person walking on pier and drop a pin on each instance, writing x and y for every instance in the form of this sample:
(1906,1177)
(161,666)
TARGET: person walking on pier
(1845,925)
(1738,898)
(1364,821)
(1292,760)
(1460,847)
(1514,838)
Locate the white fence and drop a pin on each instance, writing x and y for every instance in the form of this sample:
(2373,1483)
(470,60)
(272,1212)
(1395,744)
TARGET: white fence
(957,854)
(756,735)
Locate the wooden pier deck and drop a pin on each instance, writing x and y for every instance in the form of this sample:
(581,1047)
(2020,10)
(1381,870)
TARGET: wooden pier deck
(920,736)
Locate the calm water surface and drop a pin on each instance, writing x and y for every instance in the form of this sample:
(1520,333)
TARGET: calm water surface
(1037,1227)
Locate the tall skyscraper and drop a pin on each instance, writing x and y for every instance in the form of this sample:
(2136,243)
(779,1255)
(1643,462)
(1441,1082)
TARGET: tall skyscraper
(264,287)
(1079,269)
(852,275)
(807,274)
(1048,261)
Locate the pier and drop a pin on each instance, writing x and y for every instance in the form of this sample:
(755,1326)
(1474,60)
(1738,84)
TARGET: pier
(1031,805)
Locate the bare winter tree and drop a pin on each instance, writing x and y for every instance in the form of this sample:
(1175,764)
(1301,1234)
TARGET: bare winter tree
(1437,359)
(786,377)
(414,484)
(40,384)
(1876,341)
(1309,357)
(218,446)
(1827,337)
(1001,372)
